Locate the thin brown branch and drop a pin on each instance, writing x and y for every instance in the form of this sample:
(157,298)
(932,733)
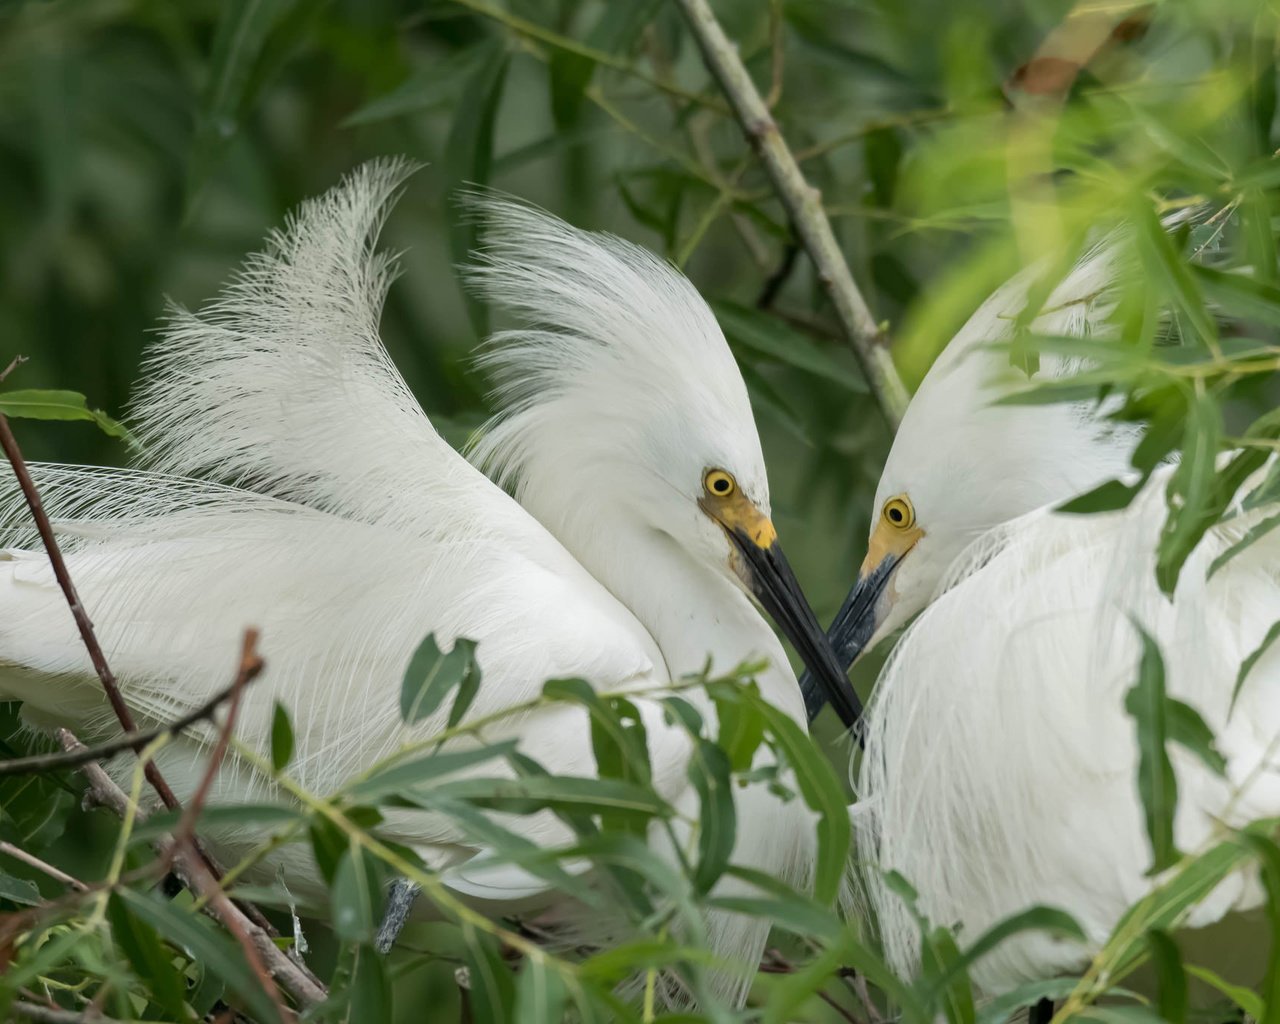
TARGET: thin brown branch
(46,1015)
(83,623)
(803,203)
(249,669)
(294,978)
(17,361)
(129,741)
(32,861)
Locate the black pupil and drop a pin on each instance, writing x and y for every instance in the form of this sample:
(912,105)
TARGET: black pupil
(720,486)
(895,515)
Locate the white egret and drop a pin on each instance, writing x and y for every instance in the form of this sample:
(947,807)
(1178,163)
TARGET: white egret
(1000,770)
(288,479)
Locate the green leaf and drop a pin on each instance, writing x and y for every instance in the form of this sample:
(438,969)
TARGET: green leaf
(150,961)
(492,986)
(1171,978)
(1263,847)
(281,738)
(1246,666)
(1003,1008)
(540,996)
(432,673)
(243,29)
(741,730)
(571,793)
(1190,491)
(822,792)
(328,846)
(619,25)
(356,895)
(58,405)
(1147,703)
(404,776)
(468,158)
(368,991)
(202,941)
(766,335)
(33,811)
(1188,729)
(1106,497)
(709,771)
(427,88)
(221,815)
(19,890)
(1245,998)
(1254,534)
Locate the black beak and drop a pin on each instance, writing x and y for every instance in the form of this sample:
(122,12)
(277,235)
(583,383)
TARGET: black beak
(776,588)
(854,625)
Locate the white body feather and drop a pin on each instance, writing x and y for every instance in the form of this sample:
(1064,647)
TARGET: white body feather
(1001,764)
(290,481)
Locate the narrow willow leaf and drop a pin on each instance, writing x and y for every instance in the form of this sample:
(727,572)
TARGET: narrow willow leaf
(618,26)
(432,673)
(1246,666)
(58,405)
(1245,998)
(1171,978)
(201,940)
(19,890)
(1190,491)
(404,776)
(938,955)
(222,815)
(741,730)
(1254,534)
(356,895)
(281,738)
(1263,847)
(468,157)
(541,997)
(434,85)
(369,993)
(1189,730)
(1106,497)
(1003,1008)
(709,772)
(328,846)
(151,962)
(492,986)
(1166,268)
(242,32)
(1146,702)
(565,792)
(768,336)
(822,792)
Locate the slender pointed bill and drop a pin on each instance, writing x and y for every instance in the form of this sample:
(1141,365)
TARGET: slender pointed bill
(860,615)
(764,568)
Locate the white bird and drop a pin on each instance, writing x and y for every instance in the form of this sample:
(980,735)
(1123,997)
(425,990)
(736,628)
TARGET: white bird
(1000,770)
(288,479)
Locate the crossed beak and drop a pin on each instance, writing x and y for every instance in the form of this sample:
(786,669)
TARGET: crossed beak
(763,568)
(867,604)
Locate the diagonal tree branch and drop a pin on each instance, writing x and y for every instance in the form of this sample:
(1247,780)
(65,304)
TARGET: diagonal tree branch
(803,203)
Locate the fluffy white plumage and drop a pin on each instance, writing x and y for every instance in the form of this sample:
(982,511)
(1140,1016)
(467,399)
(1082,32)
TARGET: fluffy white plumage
(289,480)
(1001,764)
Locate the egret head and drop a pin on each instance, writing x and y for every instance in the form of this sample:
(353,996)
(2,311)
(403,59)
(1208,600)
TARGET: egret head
(962,463)
(620,403)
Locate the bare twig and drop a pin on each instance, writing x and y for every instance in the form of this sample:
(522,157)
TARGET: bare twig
(46,1015)
(31,860)
(804,204)
(129,741)
(295,979)
(83,624)
(17,361)
(250,667)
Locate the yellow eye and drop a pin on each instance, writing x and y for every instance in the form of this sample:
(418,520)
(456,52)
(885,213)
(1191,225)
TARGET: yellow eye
(718,483)
(898,513)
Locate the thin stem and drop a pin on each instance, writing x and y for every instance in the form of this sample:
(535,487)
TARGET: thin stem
(804,204)
(32,861)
